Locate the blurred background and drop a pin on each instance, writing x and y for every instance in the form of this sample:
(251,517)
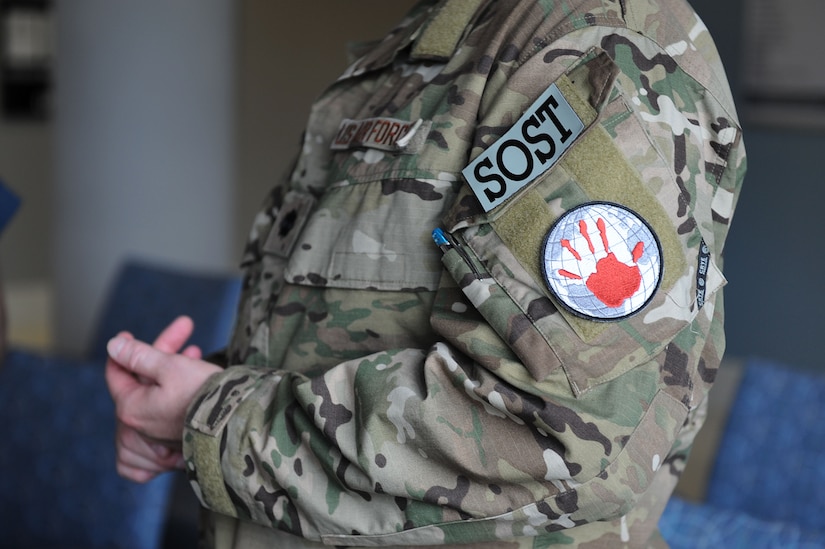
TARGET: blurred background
(157,132)
(159,127)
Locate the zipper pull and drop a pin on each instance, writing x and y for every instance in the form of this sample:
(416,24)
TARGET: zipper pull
(441,240)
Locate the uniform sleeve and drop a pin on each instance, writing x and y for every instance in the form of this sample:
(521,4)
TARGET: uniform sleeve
(523,418)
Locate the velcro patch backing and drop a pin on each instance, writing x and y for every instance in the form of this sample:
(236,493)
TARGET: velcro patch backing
(442,34)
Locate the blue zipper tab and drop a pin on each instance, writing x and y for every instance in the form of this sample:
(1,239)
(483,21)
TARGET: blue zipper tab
(439,237)
(441,240)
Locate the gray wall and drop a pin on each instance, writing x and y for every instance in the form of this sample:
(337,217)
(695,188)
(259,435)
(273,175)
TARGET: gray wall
(776,258)
(143,146)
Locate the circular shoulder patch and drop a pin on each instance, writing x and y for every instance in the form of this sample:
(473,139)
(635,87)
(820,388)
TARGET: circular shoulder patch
(602,261)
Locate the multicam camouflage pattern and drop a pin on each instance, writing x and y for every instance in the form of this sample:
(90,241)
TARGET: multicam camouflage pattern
(391,393)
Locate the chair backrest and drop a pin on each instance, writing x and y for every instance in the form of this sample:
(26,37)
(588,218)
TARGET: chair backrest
(145,297)
(770,460)
(58,483)
(686,525)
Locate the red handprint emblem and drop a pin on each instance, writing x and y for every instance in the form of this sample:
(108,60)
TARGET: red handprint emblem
(602,261)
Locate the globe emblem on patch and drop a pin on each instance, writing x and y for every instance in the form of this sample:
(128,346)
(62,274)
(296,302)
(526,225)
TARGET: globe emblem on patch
(602,261)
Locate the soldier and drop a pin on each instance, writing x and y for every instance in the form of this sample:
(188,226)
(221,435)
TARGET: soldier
(486,305)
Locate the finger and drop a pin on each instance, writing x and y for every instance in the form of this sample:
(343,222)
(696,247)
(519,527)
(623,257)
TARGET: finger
(136,460)
(171,444)
(138,357)
(175,461)
(127,335)
(161,451)
(117,375)
(193,351)
(121,335)
(136,451)
(174,336)
(119,380)
(135,474)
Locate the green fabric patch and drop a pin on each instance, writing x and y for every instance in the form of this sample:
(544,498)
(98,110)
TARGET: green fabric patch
(523,228)
(575,97)
(440,37)
(604,174)
(205,452)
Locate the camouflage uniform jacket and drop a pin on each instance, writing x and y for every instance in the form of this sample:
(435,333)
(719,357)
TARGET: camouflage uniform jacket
(386,390)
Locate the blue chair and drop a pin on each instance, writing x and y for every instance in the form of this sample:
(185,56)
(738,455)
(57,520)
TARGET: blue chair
(58,484)
(146,297)
(688,525)
(767,487)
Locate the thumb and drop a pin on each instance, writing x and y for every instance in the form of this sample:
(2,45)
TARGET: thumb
(138,357)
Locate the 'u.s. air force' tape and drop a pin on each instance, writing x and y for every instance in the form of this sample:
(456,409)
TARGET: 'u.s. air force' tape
(372,133)
(528,149)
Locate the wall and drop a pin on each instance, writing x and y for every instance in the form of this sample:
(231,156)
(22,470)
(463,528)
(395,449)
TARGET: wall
(775,260)
(26,161)
(143,146)
(26,166)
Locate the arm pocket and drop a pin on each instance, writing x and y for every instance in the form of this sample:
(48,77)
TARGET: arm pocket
(508,243)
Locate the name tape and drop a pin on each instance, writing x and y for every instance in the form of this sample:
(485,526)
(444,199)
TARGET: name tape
(371,133)
(532,146)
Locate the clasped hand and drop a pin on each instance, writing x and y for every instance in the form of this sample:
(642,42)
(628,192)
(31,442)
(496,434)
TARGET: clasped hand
(152,386)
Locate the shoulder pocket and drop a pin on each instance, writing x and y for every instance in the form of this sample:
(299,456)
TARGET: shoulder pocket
(508,245)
